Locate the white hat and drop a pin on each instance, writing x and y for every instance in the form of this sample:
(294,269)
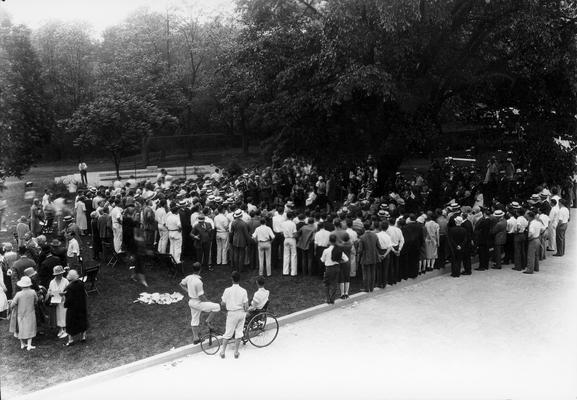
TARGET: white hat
(515,205)
(211,198)
(498,213)
(24,282)
(237,213)
(458,221)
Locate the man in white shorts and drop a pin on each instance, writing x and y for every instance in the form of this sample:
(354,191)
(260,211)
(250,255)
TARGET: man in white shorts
(235,299)
(198,302)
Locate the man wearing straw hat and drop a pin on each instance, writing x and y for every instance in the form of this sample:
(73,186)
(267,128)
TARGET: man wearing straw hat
(499,231)
(239,238)
(174,227)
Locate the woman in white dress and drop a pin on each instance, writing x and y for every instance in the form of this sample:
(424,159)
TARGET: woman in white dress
(80,211)
(55,290)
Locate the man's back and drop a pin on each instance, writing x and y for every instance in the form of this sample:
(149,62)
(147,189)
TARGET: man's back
(235,297)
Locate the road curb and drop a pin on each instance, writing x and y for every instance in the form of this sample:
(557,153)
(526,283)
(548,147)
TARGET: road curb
(184,351)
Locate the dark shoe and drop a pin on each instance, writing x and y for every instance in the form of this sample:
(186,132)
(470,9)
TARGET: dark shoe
(557,255)
(495,267)
(196,341)
(517,269)
(236,355)
(479,269)
(68,344)
(467,273)
(343,297)
(527,272)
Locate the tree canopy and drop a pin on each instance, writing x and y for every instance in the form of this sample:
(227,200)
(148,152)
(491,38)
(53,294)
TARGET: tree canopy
(310,77)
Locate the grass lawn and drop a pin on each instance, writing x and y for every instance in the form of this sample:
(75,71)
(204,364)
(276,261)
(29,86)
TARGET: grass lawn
(122,331)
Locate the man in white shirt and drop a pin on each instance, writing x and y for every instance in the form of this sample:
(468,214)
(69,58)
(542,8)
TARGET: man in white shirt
(354,237)
(221,225)
(235,299)
(321,243)
(73,251)
(561,228)
(386,244)
(397,241)
(553,222)
(160,217)
(174,227)
(521,241)
(197,302)
(278,242)
(264,237)
(116,216)
(511,229)
(534,230)
(289,230)
(259,300)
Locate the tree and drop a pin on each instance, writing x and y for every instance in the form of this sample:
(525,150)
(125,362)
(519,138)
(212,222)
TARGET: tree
(356,77)
(116,124)
(26,118)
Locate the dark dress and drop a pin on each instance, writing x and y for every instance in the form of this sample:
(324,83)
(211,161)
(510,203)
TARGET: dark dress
(76,309)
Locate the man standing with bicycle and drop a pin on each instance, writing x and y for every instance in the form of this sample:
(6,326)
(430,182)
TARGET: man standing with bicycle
(198,303)
(235,299)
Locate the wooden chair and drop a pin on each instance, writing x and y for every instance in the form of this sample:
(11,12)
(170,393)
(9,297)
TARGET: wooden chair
(90,279)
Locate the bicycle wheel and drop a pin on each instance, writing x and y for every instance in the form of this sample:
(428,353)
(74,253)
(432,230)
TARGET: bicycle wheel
(262,329)
(210,344)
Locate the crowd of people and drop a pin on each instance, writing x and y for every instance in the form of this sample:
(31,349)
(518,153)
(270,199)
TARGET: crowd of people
(292,219)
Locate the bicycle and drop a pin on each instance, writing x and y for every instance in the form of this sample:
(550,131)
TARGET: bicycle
(261,330)
(209,342)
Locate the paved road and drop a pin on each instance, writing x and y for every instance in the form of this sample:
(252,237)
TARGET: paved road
(496,334)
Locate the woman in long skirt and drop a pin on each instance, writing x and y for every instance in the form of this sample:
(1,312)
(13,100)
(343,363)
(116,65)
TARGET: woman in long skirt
(432,239)
(80,212)
(23,317)
(56,296)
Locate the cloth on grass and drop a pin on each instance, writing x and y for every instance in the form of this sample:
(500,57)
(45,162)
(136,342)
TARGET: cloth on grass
(159,298)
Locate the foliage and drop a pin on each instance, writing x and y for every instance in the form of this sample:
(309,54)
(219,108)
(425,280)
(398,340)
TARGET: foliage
(26,118)
(117,124)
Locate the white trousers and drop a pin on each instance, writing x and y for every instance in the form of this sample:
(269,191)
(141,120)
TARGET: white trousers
(117,232)
(221,247)
(176,246)
(552,238)
(290,257)
(162,241)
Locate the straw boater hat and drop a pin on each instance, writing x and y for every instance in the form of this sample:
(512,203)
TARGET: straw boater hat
(55,243)
(498,213)
(68,218)
(237,213)
(201,217)
(211,198)
(515,205)
(454,207)
(24,282)
(58,270)
(30,272)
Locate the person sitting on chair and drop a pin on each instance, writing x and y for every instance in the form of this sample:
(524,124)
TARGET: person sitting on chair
(259,300)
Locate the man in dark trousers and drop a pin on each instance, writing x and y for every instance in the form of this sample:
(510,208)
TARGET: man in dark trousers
(457,238)
(46,268)
(483,240)
(239,238)
(499,232)
(468,249)
(368,256)
(414,239)
(202,235)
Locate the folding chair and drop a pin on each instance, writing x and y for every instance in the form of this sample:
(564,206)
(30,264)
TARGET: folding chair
(90,278)
(114,256)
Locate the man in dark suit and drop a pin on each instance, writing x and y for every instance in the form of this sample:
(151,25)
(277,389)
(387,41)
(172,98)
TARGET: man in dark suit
(252,245)
(368,256)
(239,238)
(483,240)
(202,235)
(46,268)
(457,238)
(414,239)
(499,232)
(468,249)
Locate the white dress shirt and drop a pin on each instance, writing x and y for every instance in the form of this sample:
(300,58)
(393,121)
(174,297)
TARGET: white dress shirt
(263,233)
(235,298)
(521,224)
(277,221)
(396,236)
(384,240)
(260,297)
(322,238)
(563,215)
(221,223)
(327,260)
(288,229)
